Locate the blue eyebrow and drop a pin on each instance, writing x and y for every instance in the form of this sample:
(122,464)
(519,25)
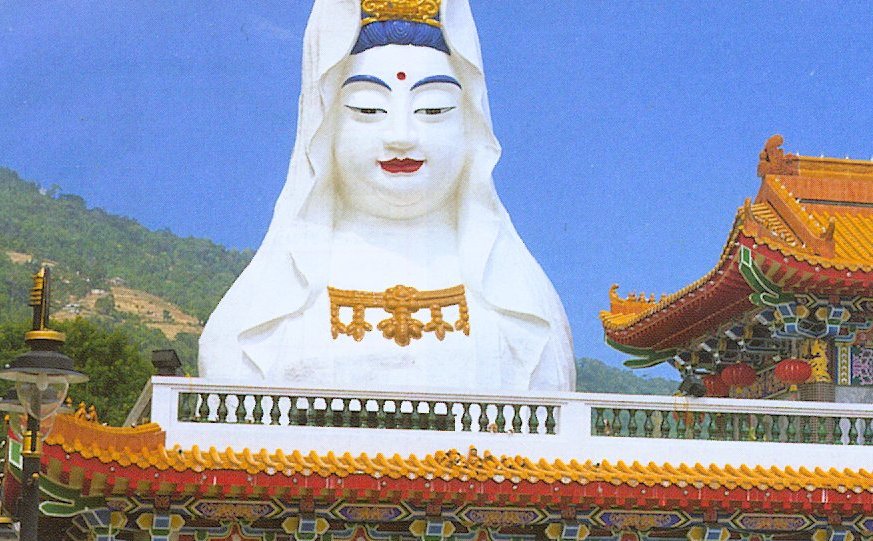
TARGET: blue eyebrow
(366,79)
(437,79)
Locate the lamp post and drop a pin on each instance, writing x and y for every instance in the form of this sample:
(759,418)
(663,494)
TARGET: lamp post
(42,377)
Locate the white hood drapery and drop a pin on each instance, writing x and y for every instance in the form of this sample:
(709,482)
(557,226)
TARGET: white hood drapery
(291,267)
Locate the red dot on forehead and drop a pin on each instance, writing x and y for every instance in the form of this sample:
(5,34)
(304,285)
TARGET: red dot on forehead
(401,75)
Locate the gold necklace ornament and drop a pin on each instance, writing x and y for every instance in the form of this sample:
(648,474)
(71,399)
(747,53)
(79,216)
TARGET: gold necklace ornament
(401,302)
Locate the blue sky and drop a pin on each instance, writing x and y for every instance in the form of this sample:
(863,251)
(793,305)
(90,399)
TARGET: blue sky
(630,130)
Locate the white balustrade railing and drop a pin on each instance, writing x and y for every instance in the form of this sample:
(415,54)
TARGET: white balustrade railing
(550,425)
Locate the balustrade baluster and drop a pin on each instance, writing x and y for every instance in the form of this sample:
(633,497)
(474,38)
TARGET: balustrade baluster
(716,426)
(632,423)
(533,422)
(665,424)
(776,428)
(381,414)
(516,418)
(500,420)
(483,418)
(203,410)
(853,431)
(648,425)
(343,414)
(550,420)
(466,418)
(258,412)
(697,424)
(617,424)
(791,429)
(759,427)
(806,429)
(822,423)
(240,411)
(274,410)
(681,427)
(868,431)
(222,409)
(744,427)
(837,434)
(306,417)
(729,427)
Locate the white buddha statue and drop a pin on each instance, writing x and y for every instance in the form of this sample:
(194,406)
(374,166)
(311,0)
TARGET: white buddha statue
(390,260)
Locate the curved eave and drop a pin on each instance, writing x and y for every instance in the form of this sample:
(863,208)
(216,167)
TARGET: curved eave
(722,294)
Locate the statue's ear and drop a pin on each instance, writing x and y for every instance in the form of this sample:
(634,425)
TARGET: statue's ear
(460,32)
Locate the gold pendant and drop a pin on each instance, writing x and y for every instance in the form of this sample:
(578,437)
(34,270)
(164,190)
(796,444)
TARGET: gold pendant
(401,302)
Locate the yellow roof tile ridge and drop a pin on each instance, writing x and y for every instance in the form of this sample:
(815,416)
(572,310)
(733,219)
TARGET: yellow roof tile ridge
(480,466)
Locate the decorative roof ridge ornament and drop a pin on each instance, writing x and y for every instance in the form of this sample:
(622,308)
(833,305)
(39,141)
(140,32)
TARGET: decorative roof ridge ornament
(418,11)
(634,303)
(774,161)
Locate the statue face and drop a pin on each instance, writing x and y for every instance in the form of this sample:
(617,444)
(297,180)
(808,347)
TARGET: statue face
(400,146)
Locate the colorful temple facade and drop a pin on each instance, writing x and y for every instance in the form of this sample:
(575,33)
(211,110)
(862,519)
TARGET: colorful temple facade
(207,461)
(794,281)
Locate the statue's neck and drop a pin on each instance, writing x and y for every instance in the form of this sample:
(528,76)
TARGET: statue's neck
(353,221)
(374,253)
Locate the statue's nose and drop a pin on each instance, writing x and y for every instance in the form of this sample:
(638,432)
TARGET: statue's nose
(401,133)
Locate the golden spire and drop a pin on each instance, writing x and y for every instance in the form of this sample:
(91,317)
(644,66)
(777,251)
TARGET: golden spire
(40,300)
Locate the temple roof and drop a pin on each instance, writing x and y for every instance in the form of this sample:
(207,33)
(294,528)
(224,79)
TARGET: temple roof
(810,213)
(113,459)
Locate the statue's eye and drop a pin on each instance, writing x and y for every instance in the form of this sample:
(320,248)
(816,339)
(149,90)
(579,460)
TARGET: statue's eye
(434,110)
(366,110)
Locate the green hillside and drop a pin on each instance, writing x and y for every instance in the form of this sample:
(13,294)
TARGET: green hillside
(130,286)
(594,376)
(92,246)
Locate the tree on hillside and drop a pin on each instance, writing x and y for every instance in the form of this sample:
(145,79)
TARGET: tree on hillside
(117,370)
(594,376)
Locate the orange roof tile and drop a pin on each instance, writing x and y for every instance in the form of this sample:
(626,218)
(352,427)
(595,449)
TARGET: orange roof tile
(142,448)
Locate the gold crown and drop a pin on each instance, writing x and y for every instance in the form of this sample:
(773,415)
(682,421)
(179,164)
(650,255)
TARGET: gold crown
(419,11)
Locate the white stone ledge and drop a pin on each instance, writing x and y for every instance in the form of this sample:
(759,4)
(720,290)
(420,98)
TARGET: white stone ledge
(573,438)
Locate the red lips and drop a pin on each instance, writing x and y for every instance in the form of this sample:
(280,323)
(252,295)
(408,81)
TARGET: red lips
(406,165)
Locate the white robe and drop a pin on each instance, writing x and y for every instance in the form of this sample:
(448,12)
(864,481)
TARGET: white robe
(273,324)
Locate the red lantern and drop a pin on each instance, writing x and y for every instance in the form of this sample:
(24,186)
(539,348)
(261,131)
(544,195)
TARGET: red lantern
(793,371)
(738,375)
(715,386)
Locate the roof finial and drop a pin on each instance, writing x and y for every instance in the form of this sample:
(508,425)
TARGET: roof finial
(774,161)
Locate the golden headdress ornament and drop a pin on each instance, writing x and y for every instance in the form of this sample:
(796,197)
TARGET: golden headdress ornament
(419,11)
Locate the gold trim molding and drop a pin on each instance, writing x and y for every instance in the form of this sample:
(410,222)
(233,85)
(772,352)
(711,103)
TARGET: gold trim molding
(401,302)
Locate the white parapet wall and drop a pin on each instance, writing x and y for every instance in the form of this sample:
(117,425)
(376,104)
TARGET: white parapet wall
(566,426)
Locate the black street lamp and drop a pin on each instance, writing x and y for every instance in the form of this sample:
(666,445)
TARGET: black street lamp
(42,377)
